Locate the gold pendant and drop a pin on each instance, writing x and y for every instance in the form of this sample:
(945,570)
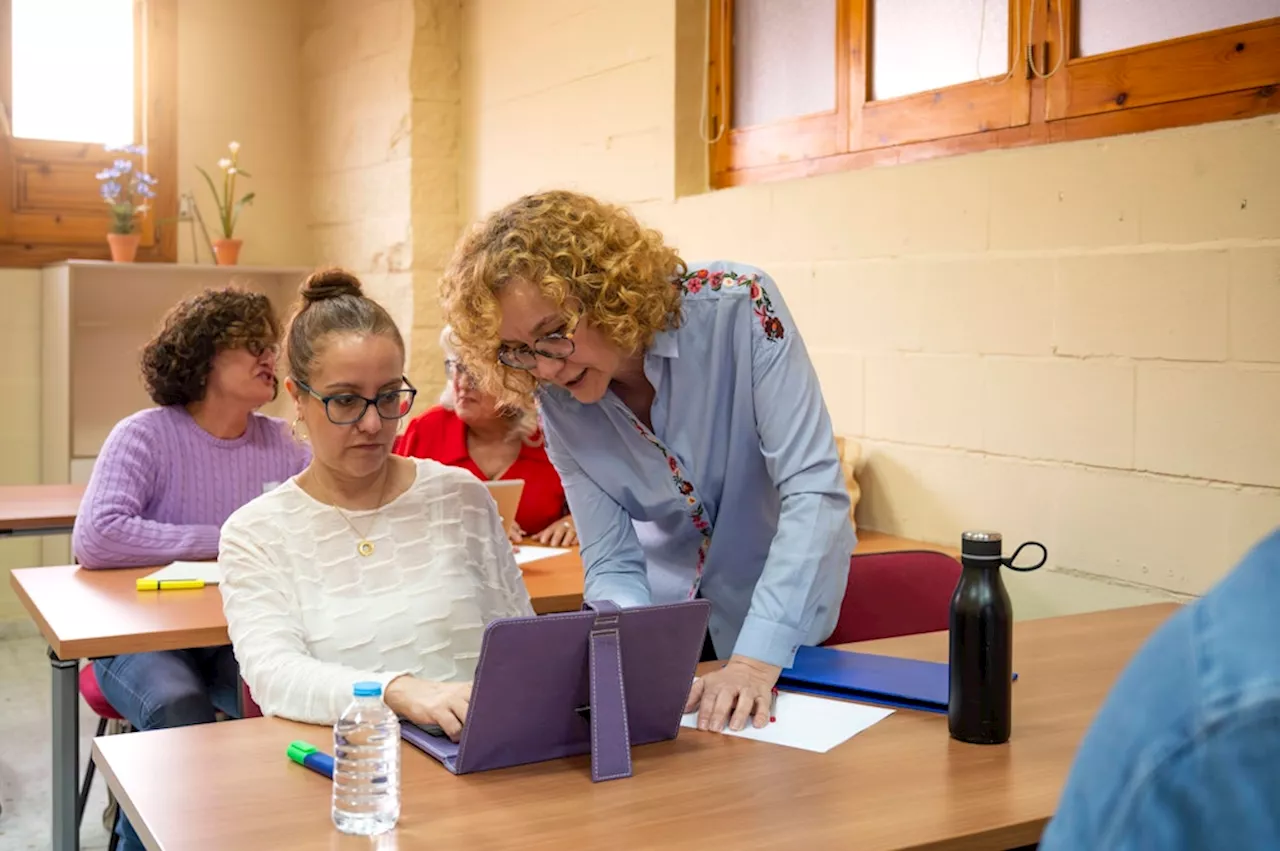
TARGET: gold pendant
(365,548)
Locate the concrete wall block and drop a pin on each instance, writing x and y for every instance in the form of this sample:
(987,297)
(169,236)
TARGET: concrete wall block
(873,305)
(1154,305)
(936,400)
(1214,422)
(1211,182)
(992,305)
(1255,304)
(1077,194)
(1060,409)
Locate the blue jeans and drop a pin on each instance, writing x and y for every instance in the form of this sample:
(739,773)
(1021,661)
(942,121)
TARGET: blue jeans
(170,688)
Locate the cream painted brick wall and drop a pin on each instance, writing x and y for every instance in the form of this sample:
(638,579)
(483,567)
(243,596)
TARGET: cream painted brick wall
(1255,304)
(20,427)
(1060,409)
(1212,422)
(934,400)
(1108,305)
(1170,304)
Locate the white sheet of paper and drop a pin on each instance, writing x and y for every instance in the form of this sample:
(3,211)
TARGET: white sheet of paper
(810,723)
(209,571)
(525,554)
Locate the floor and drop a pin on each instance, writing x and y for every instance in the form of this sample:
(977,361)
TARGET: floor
(25,755)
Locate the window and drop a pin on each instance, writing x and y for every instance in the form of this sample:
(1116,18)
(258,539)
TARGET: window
(799,87)
(75,77)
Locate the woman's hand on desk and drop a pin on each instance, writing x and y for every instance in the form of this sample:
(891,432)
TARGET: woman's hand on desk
(561,533)
(425,702)
(739,693)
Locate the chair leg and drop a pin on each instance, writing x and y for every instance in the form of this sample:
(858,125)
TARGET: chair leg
(115,837)
(88,780)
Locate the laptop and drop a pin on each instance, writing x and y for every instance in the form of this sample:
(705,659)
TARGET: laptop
(539,679)
(506,494)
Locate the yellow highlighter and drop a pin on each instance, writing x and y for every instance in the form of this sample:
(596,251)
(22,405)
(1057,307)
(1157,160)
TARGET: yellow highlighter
(169,584)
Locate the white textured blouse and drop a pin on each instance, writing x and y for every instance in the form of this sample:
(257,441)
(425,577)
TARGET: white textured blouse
(309,616)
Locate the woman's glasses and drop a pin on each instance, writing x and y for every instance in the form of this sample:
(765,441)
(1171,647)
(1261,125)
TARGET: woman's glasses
(557,346)
(350,408)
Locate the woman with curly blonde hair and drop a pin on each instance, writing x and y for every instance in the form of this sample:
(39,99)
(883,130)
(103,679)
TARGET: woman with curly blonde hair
(686,422)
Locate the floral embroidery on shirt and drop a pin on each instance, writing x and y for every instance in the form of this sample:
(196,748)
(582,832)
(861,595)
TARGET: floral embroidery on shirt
(760,303)
(697,513)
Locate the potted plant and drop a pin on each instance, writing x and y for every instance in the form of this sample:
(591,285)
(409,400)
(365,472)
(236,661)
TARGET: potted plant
(227,248)
(126,189)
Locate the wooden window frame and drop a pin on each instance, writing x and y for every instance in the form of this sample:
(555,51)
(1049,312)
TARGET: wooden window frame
(35,230)
(1125,91)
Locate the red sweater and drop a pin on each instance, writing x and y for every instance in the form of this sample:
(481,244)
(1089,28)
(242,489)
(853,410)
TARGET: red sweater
(441,435)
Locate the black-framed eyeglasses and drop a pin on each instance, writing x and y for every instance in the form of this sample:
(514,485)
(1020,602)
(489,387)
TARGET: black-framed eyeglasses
(557,346)
(258,348)
(350,408)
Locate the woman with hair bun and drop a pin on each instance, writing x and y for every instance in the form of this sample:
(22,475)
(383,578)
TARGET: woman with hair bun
(366,565)
(686,422)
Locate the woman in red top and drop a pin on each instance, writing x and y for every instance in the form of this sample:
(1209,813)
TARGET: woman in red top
(468,429)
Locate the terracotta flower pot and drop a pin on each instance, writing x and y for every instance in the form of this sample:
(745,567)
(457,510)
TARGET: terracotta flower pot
(227,251)
(124,246)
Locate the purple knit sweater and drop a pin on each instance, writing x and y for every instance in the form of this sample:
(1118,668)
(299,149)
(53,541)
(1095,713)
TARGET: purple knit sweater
(163,486)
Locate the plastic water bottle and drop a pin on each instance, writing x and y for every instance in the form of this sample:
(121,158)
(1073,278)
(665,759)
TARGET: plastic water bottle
(366,765)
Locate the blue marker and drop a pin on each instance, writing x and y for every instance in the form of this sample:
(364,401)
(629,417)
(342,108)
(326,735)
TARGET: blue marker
(308,755)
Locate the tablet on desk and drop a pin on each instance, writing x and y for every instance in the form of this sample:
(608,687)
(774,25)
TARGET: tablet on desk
(506,494)
(546,687)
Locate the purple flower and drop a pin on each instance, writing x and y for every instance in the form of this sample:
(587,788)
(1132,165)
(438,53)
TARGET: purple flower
(107,174)
(123,166)
(110,190)
(146,191)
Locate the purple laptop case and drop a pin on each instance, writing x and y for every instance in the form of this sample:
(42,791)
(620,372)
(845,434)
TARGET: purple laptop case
(532,697)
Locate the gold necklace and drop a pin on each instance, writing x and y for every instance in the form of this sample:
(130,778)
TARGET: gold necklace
(365,546)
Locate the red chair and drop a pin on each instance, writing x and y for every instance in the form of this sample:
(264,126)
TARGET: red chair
(899,593)
(248,708)
(106,713)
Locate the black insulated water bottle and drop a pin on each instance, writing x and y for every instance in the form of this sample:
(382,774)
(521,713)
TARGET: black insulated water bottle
(980,704)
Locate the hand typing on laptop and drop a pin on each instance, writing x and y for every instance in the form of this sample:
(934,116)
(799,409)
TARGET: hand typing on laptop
(429,703)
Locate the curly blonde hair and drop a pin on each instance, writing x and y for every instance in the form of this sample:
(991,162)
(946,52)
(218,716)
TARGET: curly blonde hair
(592,259)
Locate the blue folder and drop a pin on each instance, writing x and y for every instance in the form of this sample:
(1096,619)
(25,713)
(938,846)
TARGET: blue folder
(884,680)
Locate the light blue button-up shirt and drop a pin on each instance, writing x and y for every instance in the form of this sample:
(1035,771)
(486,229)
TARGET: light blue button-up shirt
(736,495)
(1185,753)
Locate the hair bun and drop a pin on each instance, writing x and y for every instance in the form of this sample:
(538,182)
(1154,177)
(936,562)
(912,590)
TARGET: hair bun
(330,283)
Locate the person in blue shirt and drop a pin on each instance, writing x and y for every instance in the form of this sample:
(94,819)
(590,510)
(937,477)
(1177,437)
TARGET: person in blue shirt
(685,420)
(1185,752)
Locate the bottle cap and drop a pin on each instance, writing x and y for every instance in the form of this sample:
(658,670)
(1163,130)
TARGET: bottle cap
(367,689)
(981,543)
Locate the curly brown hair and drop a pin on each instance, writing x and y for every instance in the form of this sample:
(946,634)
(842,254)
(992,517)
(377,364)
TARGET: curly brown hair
(177,361)
(592,259)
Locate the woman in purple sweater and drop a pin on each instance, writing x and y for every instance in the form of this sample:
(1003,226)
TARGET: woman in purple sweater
(168,477)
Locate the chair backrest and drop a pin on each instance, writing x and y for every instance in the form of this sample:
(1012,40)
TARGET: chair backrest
(247,704)
(897,593)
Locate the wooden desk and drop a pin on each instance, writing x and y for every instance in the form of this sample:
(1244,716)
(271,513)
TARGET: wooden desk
(39,509)
(902,784)
(84,614)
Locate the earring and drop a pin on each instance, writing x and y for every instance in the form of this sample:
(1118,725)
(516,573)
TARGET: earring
(293,430)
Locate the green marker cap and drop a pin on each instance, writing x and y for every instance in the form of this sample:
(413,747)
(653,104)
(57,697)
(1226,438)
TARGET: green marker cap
(299,751)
